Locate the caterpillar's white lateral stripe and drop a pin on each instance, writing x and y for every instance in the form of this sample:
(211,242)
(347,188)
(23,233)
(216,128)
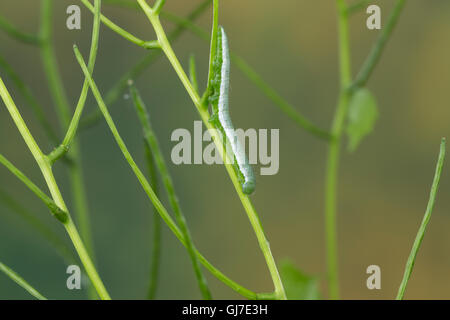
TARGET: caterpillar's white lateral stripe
(225,120)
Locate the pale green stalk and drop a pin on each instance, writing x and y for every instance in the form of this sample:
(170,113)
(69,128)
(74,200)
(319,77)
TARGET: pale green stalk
(252,215)
(423,226)
(21,282)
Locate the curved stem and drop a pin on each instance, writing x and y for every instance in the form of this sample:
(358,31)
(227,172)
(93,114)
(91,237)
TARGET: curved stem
(251,213)
(423,226)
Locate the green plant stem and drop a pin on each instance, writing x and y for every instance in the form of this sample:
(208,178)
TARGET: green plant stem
(156,240)
(378,48)
(15,33)
(252,215)
(46,233)
(423,226)
(148,189)
(152,142)
(45,167)
(63,110)
(21,282)
(334,150)
(138,69)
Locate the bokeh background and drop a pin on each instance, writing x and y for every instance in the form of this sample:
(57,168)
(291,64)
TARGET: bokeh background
(383,186)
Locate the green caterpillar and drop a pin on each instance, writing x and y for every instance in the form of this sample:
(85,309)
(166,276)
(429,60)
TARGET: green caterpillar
(221,116)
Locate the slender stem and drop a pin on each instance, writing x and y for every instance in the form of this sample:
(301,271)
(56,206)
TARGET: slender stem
(152,142)
(156,243)
(423,226)
(138,69)
(378,48)
(252,215)
(46,170)
(148,189)
(21,282)
(334,150)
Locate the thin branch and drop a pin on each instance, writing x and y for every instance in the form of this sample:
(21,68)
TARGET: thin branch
(21,282)
(421,233)
(375,54)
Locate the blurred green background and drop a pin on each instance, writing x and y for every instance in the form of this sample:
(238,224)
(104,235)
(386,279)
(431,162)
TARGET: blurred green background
(383,186)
